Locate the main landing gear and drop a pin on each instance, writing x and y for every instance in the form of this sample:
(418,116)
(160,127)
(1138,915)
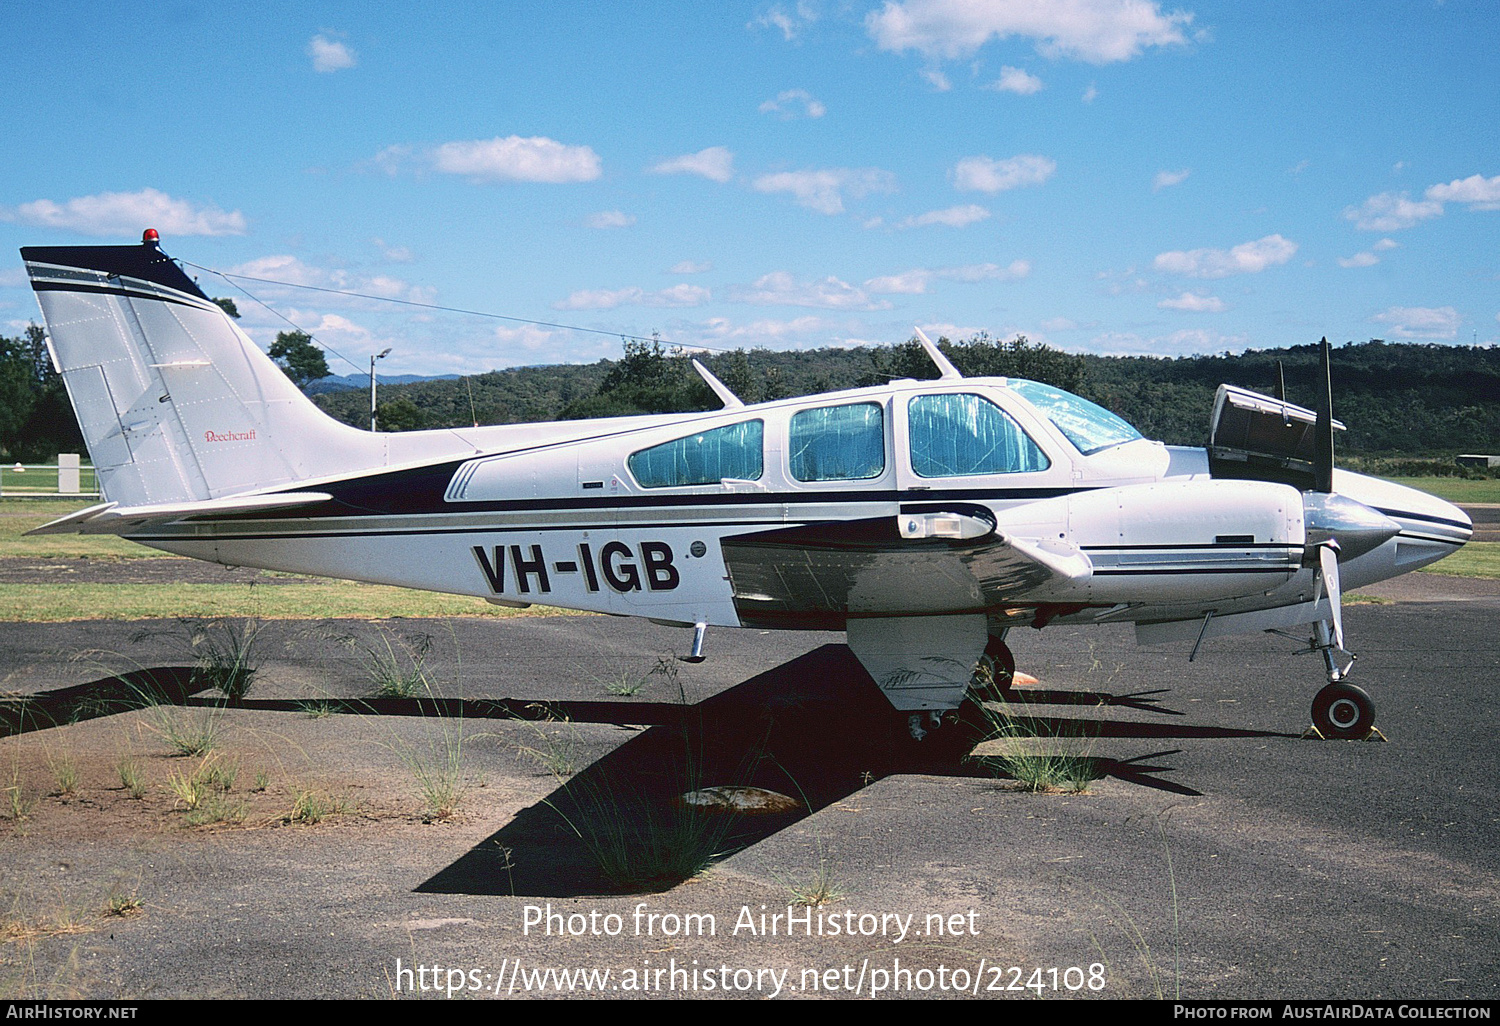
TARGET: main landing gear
(996,671)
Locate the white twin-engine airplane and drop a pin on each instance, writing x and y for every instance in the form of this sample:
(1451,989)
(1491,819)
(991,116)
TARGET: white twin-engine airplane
(923,518)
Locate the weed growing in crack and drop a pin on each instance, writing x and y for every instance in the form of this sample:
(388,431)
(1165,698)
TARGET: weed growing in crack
(225,651)
(1038,761)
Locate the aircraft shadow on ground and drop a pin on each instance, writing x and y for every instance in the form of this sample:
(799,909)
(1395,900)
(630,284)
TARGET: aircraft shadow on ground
(161,685)
(814,729)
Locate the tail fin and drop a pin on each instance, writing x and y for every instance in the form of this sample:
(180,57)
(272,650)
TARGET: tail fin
(176,404)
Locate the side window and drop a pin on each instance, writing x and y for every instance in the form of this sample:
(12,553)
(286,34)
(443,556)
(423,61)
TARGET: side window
(838,443)
(959,434)
(705,458)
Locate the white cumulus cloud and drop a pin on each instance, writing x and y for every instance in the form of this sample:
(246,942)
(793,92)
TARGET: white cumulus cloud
(517,159)
(915,281)
(1479,192)
(791,102)
(1097,31)
(1390,211)
(716,163)
(607,299)
(790,21)
(1016,80)
(1365,259)
(1167,179)
(953,217)
(128,214)
(329,55)
(780,288)
(610,219)
(1193,302)
(283,268)
(983,174)
(1420,321)
(1246,258)
(823,190)
(690,267)
(937,79)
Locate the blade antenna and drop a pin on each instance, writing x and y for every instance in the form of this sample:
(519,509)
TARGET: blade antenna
(728,398)
(1323,430)
(946,370)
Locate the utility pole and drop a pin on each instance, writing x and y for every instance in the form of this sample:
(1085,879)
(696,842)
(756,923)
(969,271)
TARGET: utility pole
(373,358)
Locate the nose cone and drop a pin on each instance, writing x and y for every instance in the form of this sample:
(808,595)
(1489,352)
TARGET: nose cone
(1354,526)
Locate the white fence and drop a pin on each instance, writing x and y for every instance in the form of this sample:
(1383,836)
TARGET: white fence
(68,477)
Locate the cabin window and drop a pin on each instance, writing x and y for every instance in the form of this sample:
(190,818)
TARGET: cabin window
(1089,426)
(838,443)
(708,457)
(959,434)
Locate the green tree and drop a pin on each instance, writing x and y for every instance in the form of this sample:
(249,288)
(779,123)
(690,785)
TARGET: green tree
(302,361)
(400,414)
(227,305)
(649,379)
(17,393)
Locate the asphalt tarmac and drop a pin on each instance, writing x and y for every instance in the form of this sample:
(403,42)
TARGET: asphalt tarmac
(1215,854)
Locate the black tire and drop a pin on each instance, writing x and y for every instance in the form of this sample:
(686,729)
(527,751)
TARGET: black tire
(1343,711)
(1001,663)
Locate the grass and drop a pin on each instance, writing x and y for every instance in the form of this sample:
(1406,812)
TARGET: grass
(64,775)
(557,752)
(123,906)
(307,599)
(437,769)
(1039,763)
(203,793)
(311,807)
(1455,489)
(187,732)
(396,666)
(638,843)
(645,840)
(132,779)
(43,479)
(822,887)
(315,600)
(17,805)
(224,651)
(1476,559)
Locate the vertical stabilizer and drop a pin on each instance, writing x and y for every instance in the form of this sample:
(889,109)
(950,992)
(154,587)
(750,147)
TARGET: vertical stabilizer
(175,402)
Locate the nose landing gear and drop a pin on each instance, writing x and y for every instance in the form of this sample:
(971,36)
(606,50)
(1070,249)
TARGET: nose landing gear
(1340,711)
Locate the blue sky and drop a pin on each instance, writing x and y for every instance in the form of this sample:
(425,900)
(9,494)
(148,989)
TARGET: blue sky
(1109,176)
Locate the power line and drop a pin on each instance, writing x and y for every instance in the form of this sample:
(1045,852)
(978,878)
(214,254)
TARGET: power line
(425,306)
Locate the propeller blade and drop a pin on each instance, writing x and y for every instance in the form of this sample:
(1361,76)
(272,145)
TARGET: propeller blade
(1323,431)
(1328,568)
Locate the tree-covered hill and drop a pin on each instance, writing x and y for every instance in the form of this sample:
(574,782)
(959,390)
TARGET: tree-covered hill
(1396,398)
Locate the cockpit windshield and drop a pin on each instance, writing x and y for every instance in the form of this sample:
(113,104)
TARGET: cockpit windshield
(1089,426)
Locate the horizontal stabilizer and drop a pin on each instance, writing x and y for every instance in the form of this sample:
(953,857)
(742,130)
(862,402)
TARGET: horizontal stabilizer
(112,518)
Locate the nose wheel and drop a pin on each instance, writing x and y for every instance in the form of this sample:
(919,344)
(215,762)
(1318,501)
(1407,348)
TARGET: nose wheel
(1343,711)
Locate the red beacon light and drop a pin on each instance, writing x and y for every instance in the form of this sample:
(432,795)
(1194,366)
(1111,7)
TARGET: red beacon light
(150,237)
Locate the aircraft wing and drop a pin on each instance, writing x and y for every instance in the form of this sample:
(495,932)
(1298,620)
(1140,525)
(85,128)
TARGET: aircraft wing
(924,561)
(112,518)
